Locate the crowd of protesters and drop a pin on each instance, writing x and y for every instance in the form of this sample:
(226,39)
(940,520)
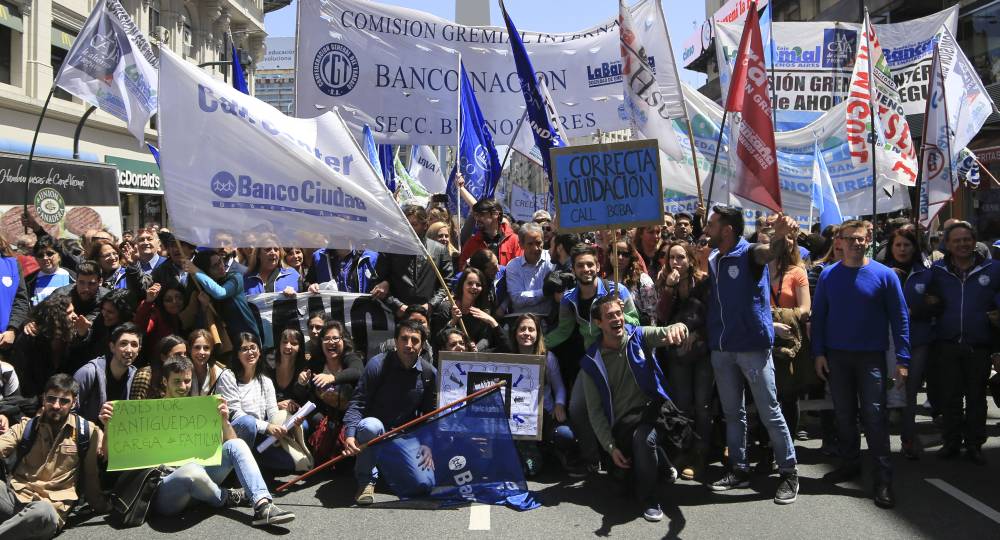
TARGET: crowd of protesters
(692,314)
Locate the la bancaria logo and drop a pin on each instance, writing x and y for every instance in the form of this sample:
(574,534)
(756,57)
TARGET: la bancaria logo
(335,69)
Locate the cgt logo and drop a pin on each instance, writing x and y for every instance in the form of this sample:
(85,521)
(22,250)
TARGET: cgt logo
(224,184)
(335,69)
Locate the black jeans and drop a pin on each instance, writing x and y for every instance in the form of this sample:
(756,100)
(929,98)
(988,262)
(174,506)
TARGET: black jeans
(640,443)
(854,376)
(962,372)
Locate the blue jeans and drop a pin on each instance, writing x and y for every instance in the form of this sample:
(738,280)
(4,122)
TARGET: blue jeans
(396,458)
(854,376)
(200,483)
(274,457)
(734,370)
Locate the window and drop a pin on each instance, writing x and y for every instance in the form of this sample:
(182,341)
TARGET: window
(154,17)
(187,37)
(62,40)
(979,37)
(58,57)
(6,54)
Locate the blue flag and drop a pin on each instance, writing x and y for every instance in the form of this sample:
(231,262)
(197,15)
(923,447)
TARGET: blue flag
(475,459)
(156,153)
(477,157)
(824,198)
(541,117)
(239,79)
(371,150)
(385,160)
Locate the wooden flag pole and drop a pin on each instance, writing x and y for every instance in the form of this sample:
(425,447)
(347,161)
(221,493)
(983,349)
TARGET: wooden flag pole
(475,395)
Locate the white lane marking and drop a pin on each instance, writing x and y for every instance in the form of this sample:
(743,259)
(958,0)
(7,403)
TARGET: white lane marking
(479,517)
(965,498)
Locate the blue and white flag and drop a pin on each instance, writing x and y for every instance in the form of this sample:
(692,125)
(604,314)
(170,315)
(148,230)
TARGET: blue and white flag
(267,178)
(385,161)
(542,117)
(156,153)
(112,67)
(477,157)
(475,459)
(425,168)
(239,79)
(957,107)
(371,152)
(967,168)
(824,197)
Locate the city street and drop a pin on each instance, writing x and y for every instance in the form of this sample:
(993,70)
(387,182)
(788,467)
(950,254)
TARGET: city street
(936,499)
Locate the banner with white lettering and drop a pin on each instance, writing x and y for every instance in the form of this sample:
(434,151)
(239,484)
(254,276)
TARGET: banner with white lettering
(396,69)
(368,321)
(814,60)
(232,161)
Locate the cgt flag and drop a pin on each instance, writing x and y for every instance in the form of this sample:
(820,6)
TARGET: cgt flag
(649,96)
(234,163)
(477,157)
(112,67)
(957,108)
(756,177)
(475,459)
(885,137)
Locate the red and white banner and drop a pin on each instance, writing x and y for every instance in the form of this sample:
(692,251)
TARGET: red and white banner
(757,165)
(871,82)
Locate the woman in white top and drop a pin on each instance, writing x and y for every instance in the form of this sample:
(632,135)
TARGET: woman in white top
(249,394)
(10,397)
(206,372)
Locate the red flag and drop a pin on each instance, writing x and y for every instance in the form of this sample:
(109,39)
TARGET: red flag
(756,177)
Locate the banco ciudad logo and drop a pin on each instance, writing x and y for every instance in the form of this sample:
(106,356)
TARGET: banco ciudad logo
(224,184)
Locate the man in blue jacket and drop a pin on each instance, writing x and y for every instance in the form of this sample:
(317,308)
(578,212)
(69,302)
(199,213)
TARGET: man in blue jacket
(740,336)
(966,284)
(622,380)
(857,302)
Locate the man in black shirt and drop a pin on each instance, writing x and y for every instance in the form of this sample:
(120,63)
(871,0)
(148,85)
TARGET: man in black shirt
(396,387)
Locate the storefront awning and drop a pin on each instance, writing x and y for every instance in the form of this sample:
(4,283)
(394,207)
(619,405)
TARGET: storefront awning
(137,176)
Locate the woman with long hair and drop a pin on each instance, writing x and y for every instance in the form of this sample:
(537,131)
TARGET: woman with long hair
(253,406)
(206,370)
(286,362)
(159,315)
(328,381)
(148,381)
(270,273)
(475,310)
(636,280)
(683,298)
(38,356)
(295,259)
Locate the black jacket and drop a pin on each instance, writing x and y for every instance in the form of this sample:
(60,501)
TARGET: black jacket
(411,277)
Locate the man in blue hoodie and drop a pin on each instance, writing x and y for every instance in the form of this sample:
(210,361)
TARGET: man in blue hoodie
(858,301)
(622,379)
(740,336)
(966,284)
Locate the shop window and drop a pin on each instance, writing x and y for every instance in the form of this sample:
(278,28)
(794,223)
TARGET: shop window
(6,54)
(979,37)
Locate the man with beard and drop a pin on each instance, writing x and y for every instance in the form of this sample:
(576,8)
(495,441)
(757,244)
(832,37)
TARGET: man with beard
(109,377)
(741,335)
(52,450)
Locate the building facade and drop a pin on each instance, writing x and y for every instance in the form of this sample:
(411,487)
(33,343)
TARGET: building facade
(978,34)
(36,35)
(275,76)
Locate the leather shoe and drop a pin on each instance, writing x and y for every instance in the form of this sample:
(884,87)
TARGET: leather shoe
(975,455)
(949,451)
(884,498)
(842,474)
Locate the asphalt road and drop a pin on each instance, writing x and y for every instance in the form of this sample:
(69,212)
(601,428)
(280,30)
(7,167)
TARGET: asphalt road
(936,499)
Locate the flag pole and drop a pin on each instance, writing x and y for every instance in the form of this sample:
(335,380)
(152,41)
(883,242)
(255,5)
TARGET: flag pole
(715,160)
(422,418)
(458,159)
(510,196)
(923,146)
(31,153)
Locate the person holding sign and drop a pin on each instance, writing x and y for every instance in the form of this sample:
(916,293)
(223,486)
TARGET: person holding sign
(195,482)
(624,388)
(109,377)
(51,451)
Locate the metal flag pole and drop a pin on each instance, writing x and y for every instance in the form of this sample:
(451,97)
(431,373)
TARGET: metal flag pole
(31,153)
(422,418)
(715,160)
(458,151)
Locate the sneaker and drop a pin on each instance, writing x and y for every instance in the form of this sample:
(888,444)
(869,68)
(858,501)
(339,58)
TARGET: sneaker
(365,495)
(269,514)
(735,479)
(788,488)
(653,512)
(235,497)
(802,435)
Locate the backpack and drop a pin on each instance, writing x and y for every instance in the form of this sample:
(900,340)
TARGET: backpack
(133,494)
(28,439)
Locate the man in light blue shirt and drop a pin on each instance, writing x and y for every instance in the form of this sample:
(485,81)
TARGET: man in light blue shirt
(526,274)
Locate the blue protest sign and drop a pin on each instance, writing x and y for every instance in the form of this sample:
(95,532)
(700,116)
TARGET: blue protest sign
(607,186)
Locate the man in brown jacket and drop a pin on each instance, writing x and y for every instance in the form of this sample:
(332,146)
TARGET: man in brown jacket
(41,489)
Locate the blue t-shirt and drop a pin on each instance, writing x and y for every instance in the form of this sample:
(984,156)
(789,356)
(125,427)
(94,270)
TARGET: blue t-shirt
(854,308)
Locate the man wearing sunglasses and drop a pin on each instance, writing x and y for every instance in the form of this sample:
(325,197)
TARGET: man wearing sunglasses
(42,485)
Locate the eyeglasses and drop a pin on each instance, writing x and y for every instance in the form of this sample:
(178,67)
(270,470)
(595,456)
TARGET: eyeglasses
(63,401)
(858,239)
(248,348)
(332,339)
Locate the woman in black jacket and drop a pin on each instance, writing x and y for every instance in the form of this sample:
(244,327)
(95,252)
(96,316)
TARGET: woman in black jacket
(476,311)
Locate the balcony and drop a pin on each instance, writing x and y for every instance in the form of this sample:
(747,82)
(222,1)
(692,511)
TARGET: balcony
(273,5)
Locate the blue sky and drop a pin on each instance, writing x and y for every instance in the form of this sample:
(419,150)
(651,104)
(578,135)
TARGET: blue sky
(541,15)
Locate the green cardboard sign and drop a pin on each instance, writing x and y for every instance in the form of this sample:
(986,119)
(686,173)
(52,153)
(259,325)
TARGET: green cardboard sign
(150,432)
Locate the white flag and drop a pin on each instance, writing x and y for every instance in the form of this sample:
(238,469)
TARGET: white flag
(957,107)
(424,168)
(872,82)
(112,67)
(524,142)
(647,103)
(231,161)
